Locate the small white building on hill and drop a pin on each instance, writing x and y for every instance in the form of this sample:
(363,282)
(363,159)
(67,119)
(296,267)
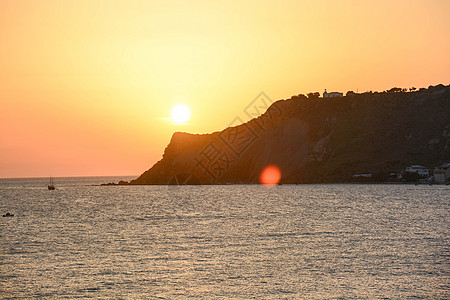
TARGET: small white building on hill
(332,94)
(442,173)
(421,170)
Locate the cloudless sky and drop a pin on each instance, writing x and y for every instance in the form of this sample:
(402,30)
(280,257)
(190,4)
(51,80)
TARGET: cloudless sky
(86,87)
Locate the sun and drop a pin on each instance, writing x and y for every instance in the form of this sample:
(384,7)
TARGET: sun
(180,113)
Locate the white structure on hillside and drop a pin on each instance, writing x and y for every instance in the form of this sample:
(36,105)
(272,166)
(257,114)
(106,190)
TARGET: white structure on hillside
(362,175)
(332,94)
(442,173)
(420,170)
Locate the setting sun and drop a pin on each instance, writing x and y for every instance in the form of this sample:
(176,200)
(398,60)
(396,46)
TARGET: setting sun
(180,113)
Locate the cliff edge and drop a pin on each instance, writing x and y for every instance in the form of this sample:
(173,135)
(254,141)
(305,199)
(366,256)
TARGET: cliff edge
(316,140)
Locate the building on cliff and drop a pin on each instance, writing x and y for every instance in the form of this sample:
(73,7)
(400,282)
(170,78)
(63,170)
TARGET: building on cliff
(442,173)
(420,170)
(332,94)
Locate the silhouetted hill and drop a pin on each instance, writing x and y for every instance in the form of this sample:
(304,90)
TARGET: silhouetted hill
(316,140)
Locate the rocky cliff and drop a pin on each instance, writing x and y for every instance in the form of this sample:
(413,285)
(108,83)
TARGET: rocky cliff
(316,140)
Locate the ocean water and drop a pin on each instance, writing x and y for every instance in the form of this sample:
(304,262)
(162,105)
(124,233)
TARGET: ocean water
(222,242)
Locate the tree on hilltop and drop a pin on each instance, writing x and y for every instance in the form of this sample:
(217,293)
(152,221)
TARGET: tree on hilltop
(314,95)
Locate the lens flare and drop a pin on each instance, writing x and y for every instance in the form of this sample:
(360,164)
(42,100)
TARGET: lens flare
(270,176)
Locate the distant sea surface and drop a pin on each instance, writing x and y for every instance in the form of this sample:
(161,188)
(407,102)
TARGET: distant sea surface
(233,241)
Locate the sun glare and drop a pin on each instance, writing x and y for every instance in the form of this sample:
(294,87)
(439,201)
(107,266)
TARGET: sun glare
(180,113)
(270,176)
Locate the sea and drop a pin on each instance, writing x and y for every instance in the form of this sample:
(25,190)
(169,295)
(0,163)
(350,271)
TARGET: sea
(314,241)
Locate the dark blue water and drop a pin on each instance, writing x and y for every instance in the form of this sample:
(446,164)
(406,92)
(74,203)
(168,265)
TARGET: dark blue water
(235,241)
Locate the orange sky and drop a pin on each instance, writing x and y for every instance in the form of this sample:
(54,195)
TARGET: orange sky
(86,87)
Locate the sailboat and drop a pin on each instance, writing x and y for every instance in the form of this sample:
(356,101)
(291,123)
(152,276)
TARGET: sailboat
(51,187)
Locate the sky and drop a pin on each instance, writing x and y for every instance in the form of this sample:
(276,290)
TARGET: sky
(87,87)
